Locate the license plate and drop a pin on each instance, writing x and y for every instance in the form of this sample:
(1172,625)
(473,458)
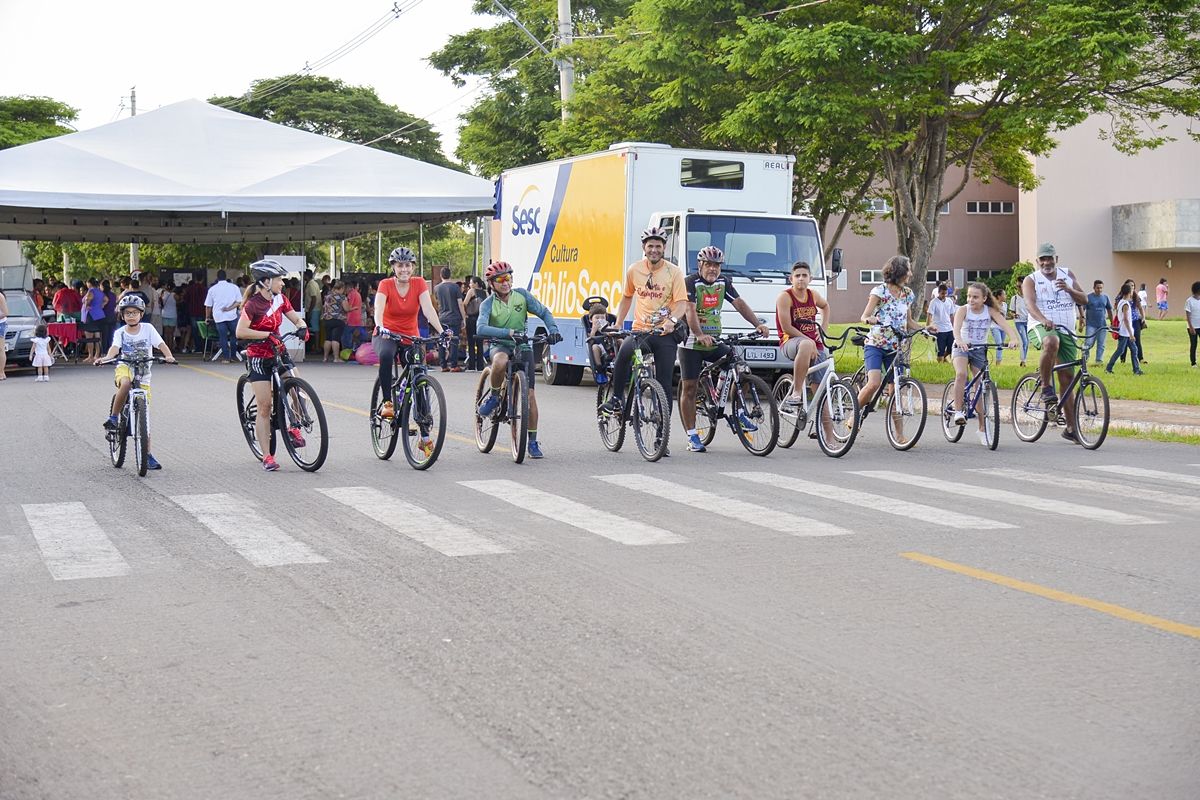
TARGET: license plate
(760,353)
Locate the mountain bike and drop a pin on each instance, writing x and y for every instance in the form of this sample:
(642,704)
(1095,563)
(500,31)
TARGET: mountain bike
(727,385)
(829,414)
(301,417)
(514,398)
(646,406)
(906,404)
(418,406)
(1030,416)
(980,401)
(133,422)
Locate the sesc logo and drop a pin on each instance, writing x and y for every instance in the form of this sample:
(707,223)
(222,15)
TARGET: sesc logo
(526,213)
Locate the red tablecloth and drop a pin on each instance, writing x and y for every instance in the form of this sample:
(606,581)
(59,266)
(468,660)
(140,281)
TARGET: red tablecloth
(65,332)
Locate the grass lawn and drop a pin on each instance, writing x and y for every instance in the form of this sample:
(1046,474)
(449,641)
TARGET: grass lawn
(1168,378)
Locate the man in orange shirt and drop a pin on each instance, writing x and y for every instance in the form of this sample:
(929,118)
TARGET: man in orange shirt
(652,285)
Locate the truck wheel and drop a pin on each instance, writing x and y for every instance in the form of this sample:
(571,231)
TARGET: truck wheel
(558,374)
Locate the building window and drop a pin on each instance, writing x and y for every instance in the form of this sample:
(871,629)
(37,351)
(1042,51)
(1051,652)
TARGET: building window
(706,173)
(937,276)
(989,207)
(878,205)
(870,276)
(982,274)
(944,208)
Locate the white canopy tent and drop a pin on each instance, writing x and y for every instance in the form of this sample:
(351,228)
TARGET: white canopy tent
(192,172)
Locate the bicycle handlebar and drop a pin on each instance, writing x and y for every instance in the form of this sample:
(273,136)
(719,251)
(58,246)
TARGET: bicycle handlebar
(100,362)
(405,339)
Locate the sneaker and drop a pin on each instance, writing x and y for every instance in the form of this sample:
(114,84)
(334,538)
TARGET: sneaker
(747,425)
(695,445)
(1050,399)
(387,410)
(297,437)
(152,462)
(1070,437)
(426,447)
(270,464)
(983,439)
(111,423)
(535,450)
(614,405)
(959,418)
(489,404)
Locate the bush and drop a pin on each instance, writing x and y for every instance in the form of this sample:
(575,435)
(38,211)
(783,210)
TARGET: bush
(1017,275)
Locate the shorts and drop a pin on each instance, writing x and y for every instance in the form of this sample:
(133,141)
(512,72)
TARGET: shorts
(1162,306)
(168,322)
(878,358)
(975,358)
(945,343)
(259,369)
(526,356)
(93,326)
(124,373)
(691,359)
(792,346)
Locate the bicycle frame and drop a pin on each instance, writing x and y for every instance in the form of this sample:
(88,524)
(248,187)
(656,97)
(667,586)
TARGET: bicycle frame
(726,371)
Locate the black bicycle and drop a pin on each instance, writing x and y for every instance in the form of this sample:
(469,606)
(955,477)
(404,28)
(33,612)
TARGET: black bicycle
(646,405)
(418,406)
(907,403)
(514,399)
(133,421)
(300,417)
(980,401)
(1031,415)
(727,389)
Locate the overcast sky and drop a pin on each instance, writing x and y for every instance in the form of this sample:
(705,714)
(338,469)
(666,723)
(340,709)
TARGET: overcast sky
(89,54)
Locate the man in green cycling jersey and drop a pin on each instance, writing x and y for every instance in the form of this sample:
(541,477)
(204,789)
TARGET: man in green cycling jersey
(505,310)
(707,292)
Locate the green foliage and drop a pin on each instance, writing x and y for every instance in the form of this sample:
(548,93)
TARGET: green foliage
(1018,273)
(105,260)
(30,119)
(329,107)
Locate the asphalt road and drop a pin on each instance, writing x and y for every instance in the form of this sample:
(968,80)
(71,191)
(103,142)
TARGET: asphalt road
(888,625)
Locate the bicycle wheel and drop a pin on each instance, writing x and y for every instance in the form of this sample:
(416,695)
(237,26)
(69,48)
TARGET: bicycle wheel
(612,426)
(518,414)
(485,427)
(951,431)
(789,428)
(989,411)
(116,440)
(141,436)
(1091,412)
(754,402)
(248,417)
(836,430)
(306,436)
(423,419)
(651,418)
(383,430)
(906,414)
(1028,410)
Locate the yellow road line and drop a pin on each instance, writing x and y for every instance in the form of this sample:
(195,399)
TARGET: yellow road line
(1062,597)
(325,403)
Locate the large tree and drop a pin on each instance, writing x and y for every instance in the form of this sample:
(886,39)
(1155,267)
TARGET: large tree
(30,119)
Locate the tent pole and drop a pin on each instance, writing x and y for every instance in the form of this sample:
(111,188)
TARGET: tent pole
(475,250)
(421,246)
(379,251)
(333,262)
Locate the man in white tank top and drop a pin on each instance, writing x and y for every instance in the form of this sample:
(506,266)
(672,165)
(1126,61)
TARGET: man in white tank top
(1052,296)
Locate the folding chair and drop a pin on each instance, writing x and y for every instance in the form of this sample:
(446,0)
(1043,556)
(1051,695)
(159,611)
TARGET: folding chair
(208,335)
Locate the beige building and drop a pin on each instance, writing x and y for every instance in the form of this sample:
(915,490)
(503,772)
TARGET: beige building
(1113,216)
(978,235)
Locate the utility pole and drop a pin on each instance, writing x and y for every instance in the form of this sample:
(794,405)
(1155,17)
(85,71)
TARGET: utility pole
(566,67)
(133,246)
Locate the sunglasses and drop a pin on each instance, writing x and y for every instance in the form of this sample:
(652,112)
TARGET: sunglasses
(503,279)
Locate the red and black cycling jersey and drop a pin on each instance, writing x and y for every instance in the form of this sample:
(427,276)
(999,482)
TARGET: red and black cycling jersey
(265,315)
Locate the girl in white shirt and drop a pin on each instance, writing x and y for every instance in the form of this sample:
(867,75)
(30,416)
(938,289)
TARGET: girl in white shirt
(971,325)
(1125,332)
(41,354)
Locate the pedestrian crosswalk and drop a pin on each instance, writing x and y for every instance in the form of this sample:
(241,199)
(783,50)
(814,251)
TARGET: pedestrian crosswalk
(502,517)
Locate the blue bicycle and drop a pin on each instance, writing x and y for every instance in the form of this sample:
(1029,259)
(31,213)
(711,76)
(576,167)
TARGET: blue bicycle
(980,401)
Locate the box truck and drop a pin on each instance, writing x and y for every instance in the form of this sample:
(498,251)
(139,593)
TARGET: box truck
(571,227)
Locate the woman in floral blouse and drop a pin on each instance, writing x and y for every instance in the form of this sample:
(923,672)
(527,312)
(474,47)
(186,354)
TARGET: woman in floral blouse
(888,311)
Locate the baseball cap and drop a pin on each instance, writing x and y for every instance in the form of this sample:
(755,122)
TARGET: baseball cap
(1045,250)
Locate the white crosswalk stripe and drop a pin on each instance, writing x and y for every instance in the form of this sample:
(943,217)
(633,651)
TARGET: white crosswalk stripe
(253,536)
(1152,474)
(874,502)
(1098,486)
(994,495)
(73,545)
(577,515)
(748,513)
(414,522)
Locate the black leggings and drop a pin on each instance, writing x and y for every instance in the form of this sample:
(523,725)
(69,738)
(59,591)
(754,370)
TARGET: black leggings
(663,348)
(386,348)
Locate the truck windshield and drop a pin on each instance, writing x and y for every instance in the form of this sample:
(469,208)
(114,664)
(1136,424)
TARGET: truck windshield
(19,304)
(756,246)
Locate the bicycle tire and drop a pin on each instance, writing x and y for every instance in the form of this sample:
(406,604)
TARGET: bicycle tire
(951,431)
(990,413)
(611,426)
(518,414)
(1029,418)
(1091,404)
(311,416)
(908,401)
(116,440)
(410,432)
(485,428)
(789,430)
(248,417)
(649,405)
(755,399)
(839,406)
(141,436)
(383,431)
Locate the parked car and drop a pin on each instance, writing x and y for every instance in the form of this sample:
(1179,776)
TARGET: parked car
(23,318)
